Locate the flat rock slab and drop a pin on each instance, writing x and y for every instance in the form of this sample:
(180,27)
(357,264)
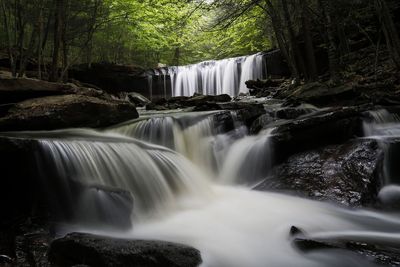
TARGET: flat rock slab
(66,111)
(99,251)
(13,90)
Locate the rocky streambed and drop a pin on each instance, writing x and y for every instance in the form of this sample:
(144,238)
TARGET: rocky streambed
(317,152)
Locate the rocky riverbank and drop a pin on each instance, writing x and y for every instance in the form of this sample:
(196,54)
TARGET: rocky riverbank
(316,133)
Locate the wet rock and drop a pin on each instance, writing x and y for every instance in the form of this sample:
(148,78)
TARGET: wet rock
(14,90)
(202,99)
(135,98)
(347,174)
(382,255)
(263,88)
(19,190)
(200,102)
(66,111)
(92,250)
(92,205)
(331,126)
(261,122)
(245,112)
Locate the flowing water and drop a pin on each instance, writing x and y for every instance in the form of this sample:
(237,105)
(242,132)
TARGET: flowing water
(227,76)
(191,184)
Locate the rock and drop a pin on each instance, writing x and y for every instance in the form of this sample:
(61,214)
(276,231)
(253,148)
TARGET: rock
(345,174)
(389,197)
(382,255)
(200,102)
(259,84)
(223,122)
(96,206)
(14,90)
(66,111)
(135,98)
(39,190)
(19,190)
(245,112)
(261,122)
(201,99)
(112,78)
(99,251)
(332,126)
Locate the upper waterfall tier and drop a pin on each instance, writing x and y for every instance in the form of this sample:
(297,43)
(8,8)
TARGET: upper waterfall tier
(214,77)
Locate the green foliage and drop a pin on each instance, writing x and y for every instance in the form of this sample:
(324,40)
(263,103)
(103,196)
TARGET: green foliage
(152,31)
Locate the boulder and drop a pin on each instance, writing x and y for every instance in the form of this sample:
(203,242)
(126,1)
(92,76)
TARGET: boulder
(331,126)
(200,102)
(201,99)
(378,254)
(66,111)
(245,112)
(14,90)
(112,78)
(99,251)
(347,174)
(135,98)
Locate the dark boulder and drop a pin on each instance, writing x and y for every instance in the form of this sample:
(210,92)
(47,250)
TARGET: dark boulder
(245,112)
(112,78)
(135,98)
(66,111)
(185,102)
(378,254)
(99,251)
(332,126)
(39,190)
(14,90)
(19,190)
(261,122)
(201,99)
(347,174)
(96,206)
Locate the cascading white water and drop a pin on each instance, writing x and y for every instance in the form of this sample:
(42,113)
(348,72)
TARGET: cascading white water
(231,225)
(227,76)
(153,174)
(385,127)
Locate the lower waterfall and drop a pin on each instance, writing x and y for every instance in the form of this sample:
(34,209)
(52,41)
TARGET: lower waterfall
(179,170)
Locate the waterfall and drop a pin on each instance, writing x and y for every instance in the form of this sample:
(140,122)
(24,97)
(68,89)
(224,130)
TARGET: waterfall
(189,184)
(385,128)
(227,76)
(249,160)
(154,175)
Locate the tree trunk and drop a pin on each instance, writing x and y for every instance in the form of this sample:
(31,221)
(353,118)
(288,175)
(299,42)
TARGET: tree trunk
(177,56)
(39,46)
(389,30)
(13,64)
(280,39)
(309,46)
(325,6)
(294,51)
(58,25)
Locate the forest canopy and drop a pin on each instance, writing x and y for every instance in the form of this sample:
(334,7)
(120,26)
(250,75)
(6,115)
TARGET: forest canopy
(144,32)
(58,34)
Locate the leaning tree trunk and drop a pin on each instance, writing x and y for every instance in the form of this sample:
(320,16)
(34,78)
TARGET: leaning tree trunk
(389,30)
